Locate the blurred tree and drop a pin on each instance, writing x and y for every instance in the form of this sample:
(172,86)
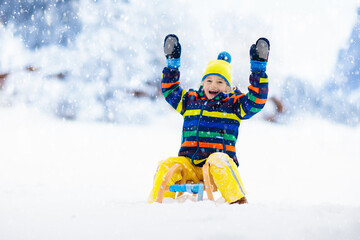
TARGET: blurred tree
(42,22)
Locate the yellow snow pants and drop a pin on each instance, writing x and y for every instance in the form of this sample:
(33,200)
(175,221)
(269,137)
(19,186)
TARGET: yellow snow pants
(222,168)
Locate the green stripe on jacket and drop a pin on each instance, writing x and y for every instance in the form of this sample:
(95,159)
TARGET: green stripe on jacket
(228,137)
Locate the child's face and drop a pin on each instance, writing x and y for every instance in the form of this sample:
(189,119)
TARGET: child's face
(213,85)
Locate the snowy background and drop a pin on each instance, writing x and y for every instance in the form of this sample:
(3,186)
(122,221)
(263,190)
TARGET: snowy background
(82,123)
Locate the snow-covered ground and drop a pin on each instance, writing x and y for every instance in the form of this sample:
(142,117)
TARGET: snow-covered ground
(85,180)
(90,180)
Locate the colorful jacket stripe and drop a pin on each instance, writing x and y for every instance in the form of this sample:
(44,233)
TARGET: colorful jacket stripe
(212,125)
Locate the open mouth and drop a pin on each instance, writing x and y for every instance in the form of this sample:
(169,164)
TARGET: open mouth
(214,92)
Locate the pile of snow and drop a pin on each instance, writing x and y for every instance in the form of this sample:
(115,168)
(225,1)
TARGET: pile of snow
(79,180)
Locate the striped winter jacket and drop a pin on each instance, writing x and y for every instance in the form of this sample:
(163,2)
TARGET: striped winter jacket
(212,125)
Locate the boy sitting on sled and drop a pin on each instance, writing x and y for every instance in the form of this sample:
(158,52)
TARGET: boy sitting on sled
(212,117)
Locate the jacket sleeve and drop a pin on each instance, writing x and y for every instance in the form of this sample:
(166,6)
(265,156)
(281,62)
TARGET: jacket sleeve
(172,91)
(252,102)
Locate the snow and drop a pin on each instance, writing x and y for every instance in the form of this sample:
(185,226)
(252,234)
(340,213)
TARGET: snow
(89,177)
(84,180)
(108,49)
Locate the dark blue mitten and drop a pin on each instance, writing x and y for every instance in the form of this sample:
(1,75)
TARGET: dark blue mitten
(259,54)
(172,50)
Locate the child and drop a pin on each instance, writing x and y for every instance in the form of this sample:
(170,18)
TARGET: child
(212,118)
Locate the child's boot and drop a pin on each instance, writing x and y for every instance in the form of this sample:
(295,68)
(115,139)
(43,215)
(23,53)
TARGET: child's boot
(242,200)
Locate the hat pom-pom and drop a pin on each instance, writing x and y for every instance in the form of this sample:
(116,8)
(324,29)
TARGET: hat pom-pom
(224,56)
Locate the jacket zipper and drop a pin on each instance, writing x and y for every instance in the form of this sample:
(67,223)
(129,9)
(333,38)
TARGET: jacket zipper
(223,138)
(197,132)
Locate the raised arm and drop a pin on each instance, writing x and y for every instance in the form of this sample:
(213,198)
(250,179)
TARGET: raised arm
(170,83)
(255,99)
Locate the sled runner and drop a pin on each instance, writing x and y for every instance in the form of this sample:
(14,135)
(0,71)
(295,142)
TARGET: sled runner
(196,188)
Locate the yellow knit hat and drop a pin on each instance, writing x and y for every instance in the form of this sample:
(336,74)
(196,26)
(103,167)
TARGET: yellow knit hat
(220,67)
